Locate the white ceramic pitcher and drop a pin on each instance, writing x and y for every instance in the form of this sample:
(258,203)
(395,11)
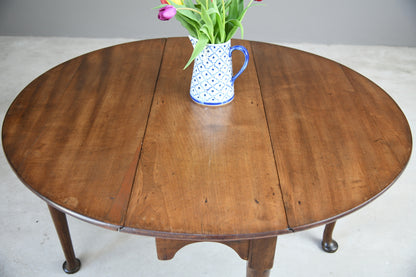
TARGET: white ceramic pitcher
(212,81)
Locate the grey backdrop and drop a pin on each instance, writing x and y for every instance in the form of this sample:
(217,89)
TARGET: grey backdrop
(376,22)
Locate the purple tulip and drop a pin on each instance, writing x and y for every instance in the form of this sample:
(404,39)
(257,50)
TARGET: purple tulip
(166,13)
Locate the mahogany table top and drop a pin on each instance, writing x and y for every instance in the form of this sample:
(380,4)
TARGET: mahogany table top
(112,137)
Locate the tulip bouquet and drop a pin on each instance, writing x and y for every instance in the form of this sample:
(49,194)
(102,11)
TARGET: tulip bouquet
(209,21)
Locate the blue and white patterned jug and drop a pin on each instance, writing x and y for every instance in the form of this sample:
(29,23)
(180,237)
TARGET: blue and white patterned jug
(212,81)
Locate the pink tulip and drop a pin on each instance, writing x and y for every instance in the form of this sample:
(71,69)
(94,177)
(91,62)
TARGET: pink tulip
(166,13)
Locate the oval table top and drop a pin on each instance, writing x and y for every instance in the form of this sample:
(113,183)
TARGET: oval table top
(112,137)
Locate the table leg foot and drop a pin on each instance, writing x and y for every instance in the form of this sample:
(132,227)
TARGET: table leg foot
(70,270)
(72,264)
(329,245)
(261,257)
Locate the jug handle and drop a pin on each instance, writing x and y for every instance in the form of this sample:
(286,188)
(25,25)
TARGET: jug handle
(246,59)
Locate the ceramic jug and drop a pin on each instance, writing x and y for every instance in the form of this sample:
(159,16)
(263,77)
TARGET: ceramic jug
(212,81)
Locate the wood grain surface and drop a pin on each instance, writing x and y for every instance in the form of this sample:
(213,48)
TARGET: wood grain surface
(339,139)
(112,137)
(73,134)
(203,171)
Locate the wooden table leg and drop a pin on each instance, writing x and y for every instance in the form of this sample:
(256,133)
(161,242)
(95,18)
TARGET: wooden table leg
(261,257)
(72,264)
(328,243)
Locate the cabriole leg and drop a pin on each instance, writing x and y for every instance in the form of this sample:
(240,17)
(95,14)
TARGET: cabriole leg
(72,264)
(328,244)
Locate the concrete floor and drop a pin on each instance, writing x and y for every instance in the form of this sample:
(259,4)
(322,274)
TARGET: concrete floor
(378,240)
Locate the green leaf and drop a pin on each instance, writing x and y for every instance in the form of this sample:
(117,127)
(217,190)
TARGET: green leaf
(227,4)
(240,6)
(191,15)
(233,10)
(199,47)
(199,3)
(236,24)
(231,27)
(189,24)
(236,7)
(208,22)
(221,28)
(189,3)
(204,29)
(211,11)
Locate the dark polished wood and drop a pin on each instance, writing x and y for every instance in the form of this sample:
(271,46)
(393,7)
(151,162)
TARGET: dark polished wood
(261,257)
(166,248)
(113,138)
(259,253)
(71,264)
(204,171)
(339,139)
(74,134)
(328,243)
